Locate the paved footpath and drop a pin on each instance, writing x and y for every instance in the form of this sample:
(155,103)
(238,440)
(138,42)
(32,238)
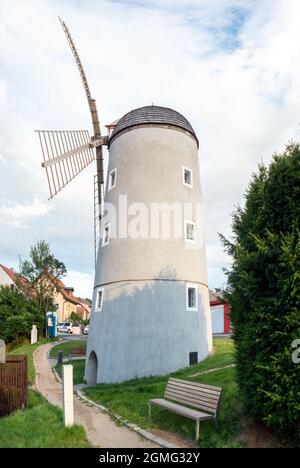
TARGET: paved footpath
(100,429)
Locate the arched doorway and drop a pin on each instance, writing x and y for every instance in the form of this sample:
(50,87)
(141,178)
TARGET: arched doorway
(91,369)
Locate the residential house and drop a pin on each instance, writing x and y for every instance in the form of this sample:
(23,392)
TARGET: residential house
(64,299)
(86,304)
(67,303)
(8,277)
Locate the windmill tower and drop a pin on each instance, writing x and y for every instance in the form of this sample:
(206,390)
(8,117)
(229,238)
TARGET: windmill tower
(150,312)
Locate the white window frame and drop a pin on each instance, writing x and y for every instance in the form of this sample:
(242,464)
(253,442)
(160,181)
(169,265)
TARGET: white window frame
(97,308)
(183,178)
(104,242)
(186,222)
(195,287)
(110,187)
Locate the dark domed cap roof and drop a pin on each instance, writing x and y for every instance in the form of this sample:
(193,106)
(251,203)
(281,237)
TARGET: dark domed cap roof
(153,115)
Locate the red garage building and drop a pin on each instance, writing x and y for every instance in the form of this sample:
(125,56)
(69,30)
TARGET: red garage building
(220,314)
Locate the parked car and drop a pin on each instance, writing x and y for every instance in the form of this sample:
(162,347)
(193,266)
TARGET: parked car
(60,327)
(65,327)
(86,330)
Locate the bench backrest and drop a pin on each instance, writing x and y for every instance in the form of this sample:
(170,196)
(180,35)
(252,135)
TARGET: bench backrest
(78,351)
(197,395)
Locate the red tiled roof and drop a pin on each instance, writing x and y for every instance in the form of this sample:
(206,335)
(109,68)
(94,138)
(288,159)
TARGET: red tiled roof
(86,303)
(61,287)
(9,272)
(14,276)
(64,290)
(216,296)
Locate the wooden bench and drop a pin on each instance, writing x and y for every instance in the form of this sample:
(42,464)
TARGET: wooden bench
(77,352)
(192,397)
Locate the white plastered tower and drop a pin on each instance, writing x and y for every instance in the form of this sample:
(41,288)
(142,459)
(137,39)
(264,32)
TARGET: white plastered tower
(151,312)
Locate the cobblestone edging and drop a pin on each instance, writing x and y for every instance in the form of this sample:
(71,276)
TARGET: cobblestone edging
(35,371)
(57,377)
(133,427)
(55,343)
(163,443)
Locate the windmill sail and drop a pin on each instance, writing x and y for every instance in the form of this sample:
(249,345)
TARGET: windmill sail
(65,154)
(92,107)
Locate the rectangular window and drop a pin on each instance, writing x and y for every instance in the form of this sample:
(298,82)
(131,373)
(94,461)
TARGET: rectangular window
(106,232)
(190,231)
(193,358)
(187,177)
(99,300)
(112,180)
(191,297)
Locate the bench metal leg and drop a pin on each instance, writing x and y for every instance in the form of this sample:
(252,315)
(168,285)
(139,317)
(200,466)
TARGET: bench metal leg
(197,430)
(149,405)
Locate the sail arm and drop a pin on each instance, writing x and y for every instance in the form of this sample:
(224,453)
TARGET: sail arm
(77,59)
(66,153)
(92,106)
(91,101)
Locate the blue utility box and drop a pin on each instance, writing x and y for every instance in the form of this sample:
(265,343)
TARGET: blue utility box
(51,323)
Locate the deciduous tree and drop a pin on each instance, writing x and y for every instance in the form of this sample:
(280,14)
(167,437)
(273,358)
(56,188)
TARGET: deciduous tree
(42,270)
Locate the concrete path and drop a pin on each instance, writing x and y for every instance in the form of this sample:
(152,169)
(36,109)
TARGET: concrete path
(209,371)
(101,430)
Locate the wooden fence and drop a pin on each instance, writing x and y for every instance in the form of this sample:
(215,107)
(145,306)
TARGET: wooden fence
(13,383)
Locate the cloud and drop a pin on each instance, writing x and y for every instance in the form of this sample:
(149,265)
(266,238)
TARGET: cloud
(231,67)
(20,214)
(2,92)
(81,282)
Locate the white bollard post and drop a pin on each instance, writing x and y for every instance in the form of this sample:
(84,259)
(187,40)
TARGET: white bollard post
(2,352)
(34,334)
(68,405)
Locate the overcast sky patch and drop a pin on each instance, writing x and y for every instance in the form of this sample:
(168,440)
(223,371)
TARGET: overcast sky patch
(231,67)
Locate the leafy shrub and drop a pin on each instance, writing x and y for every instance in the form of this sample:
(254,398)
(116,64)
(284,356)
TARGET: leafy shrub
(17,315)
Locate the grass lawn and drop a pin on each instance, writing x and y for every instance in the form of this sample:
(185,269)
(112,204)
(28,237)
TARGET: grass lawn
(39,426)
(67,347)
(78,370)
(130,399)
(223,357)
(29,349)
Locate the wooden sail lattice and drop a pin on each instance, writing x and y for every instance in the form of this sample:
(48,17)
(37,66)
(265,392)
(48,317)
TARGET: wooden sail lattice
(65,154)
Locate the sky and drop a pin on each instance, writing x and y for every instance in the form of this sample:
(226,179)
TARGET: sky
(232,67)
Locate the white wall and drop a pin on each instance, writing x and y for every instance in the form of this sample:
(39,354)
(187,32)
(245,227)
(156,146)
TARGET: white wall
(149,165)
(217,319)
(144,327)
(5,280)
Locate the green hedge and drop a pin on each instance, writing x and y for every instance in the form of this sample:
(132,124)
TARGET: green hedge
(264,291)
